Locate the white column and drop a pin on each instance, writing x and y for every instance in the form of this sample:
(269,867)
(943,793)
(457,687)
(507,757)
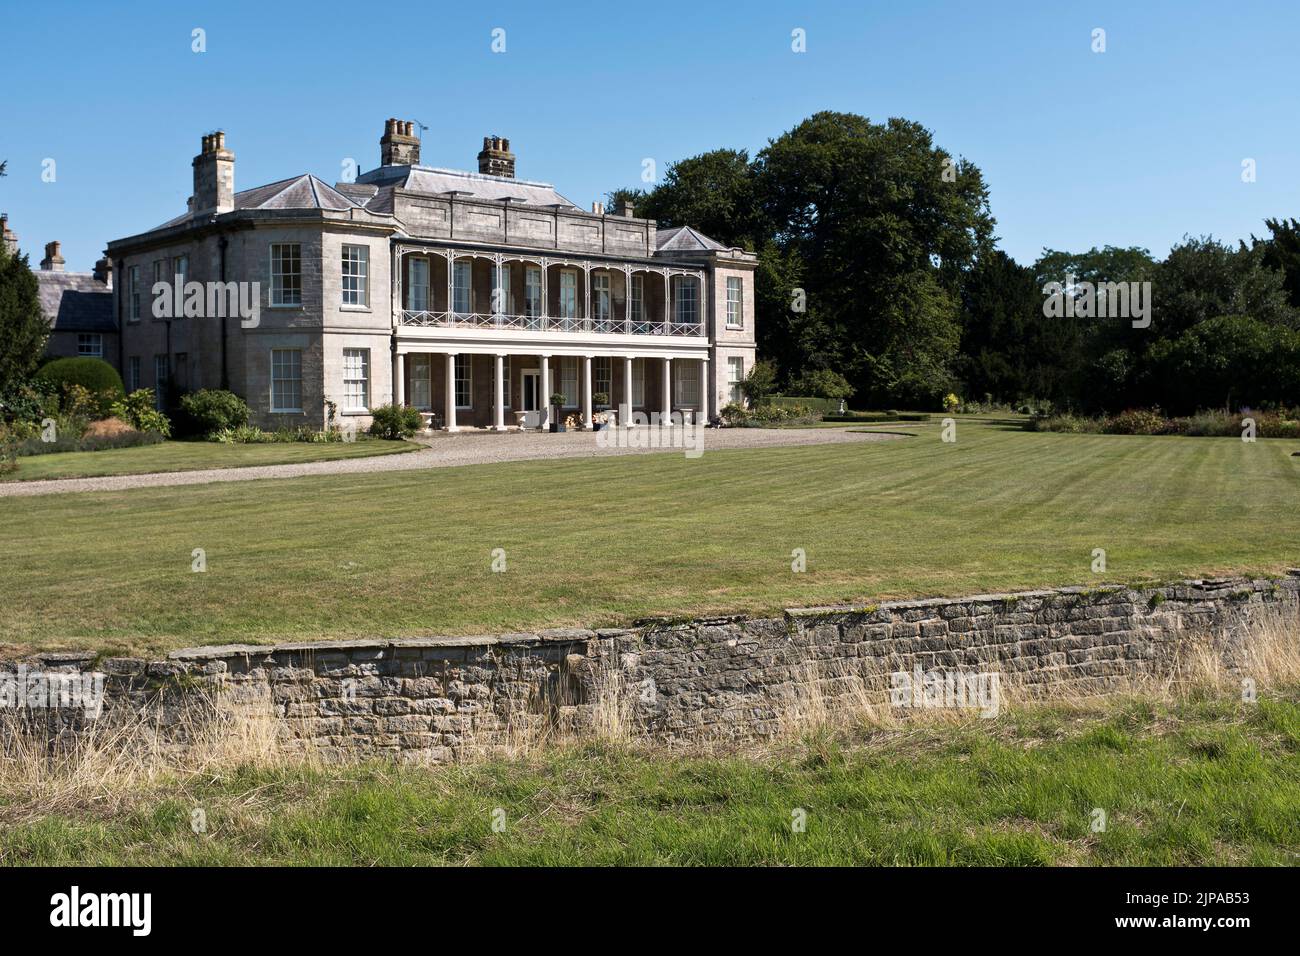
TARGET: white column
(499,408)
(666,403)
(545,416)
(625,413)
(399,378)
(586,391)
(451,392)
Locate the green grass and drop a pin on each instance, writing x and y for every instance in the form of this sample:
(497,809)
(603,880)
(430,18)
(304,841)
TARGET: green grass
(192,456)
(1198,784)
(604,541)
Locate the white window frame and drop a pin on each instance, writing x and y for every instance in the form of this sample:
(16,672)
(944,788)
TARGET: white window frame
(505,382)
(569,293)
(133,294)
(736,303)
(285,294)
(420,365)
(355,374)
(569,380)
(504,282)
(602,296)
(464,381)
(90,344)
(294,365)
(533,291)
(417,292)
(735,375)
(686,385)
(636,297)
(462,293)
(354,276)
(686,308)
(638,381)
(602,376)
(161,376)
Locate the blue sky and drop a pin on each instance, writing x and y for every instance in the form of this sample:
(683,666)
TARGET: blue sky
(1135,146)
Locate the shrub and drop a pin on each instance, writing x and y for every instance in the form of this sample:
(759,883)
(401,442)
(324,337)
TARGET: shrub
(1072,424)
(397,421)
(26,402)
(1135,421)
(824,383)
(66,441)
(137,411)
(760,382)
(238,435)
(94,375)
(212,409)
(951,403)
(734,415)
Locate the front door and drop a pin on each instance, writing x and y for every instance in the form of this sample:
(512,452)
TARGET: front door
(530,392)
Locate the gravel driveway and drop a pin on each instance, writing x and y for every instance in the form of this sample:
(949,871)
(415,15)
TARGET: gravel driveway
(464,448)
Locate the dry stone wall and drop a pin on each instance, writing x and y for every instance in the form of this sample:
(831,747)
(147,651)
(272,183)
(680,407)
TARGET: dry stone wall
(441,699)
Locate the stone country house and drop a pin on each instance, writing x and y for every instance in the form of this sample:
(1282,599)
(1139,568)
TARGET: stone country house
(470,296)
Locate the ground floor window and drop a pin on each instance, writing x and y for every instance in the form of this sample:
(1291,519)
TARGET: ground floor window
(132,373)
(602,374)
(286,380)
(90,343)
(638,381)
(421,384)
(735,375)
(161,373)
(569,380)
(356,379)
(686,384)
(505,382)
(464,381)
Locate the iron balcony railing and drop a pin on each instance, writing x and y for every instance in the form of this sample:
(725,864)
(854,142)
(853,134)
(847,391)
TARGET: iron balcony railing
(545,323)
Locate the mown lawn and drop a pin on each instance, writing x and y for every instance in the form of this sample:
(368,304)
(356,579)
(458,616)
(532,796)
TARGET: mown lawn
(1203,783)
(604,541)
(192,456)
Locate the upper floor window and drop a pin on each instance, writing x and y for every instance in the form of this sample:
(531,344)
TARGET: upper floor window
(636,298)
(735,314)
(687,301)
(462,286)
(158,266)
(503,296)
(417,292)
(90,343)
(133,293)
(286,380)
(286,273)
(533,291)
(568,293)
(356,268)
(600,296)
(356,379)
(181,269)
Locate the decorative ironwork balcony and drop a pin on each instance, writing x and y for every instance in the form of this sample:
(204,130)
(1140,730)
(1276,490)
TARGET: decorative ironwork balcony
(545,323)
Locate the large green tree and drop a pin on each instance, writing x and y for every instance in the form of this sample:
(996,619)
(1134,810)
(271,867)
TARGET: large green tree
(23,328)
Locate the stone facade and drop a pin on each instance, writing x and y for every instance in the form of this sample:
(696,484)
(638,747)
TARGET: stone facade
(440,699)
(424,230)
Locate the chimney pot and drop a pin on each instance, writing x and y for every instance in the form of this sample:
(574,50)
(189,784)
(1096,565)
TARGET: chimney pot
(214,176)
(496,158)
(399,145)
(53,261)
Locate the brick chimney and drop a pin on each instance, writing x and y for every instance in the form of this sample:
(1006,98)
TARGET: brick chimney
(496,158)
(399,145)
(8,237)
(214,177)
(53,261)
(103,271)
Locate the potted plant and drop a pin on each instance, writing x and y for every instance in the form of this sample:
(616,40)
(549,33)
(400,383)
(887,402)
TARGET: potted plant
(557,402)
(599,421)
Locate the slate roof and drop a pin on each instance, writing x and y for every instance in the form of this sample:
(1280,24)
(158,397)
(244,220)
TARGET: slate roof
(75,301)
(432,181)
(297,192)
(684,239)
